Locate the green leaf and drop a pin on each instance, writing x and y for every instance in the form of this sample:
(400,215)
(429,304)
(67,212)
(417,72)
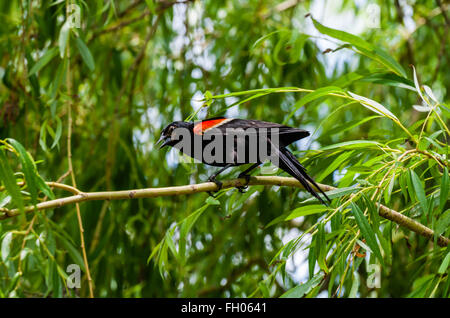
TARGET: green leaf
(334,165)
(303,289)
(373,106)
(186,225)
(349,125)
(151,6)
(6,246)
(353,144)
(336,193)
(280,46)
(170,243)
(403,180)
(422,109)
(189,221)
(14,282)
(212,201)
(443,197)
(63,38)
(306,210)
(443,223)
(44,187)
(29,169)
(155,250)
(355,285)
(9,180)
(43,136)
(85,53)
(162,258)
(264,289)
(261,39)
(417,85)
(388,190)
(321,246)
(366,231)
(364,47)
(58,132)
(312,258)
(4,199)
(71,250)
(57,80)
(430,93)
(323,91)
(44,60)
(390,79)
(444,265)
(419,191)
(420,286)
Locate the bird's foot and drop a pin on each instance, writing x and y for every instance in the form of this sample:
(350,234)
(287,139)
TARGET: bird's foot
(218,183)
(245,187)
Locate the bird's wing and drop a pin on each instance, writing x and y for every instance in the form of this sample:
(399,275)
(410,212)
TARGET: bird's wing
(286,134)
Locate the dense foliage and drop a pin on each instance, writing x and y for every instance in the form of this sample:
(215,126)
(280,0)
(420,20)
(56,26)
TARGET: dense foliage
(87,86)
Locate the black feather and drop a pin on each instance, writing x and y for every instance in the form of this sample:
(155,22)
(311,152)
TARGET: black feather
(303,171)
(287,162)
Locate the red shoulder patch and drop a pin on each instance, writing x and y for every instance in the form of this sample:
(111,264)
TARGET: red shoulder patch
(200,128)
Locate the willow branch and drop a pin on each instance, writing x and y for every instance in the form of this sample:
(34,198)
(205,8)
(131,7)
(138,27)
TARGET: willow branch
(384,211)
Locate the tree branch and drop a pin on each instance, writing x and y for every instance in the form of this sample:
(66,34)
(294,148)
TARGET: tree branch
(384,211)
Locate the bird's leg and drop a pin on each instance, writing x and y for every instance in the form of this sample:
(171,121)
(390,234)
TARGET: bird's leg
(212,178)
(245,174)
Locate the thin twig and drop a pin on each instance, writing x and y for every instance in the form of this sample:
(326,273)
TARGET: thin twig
(72,174)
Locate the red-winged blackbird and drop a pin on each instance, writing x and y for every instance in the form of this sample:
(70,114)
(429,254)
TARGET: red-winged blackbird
(204,141)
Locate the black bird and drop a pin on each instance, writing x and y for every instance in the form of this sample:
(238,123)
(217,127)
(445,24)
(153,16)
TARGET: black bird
(247,138)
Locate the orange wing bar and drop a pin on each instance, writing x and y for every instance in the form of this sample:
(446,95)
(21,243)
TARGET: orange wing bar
(200,128)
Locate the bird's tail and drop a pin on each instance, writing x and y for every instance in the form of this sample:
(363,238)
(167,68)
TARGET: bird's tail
(289,163)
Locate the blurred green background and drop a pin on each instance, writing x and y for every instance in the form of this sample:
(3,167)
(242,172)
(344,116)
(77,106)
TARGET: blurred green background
(122,70)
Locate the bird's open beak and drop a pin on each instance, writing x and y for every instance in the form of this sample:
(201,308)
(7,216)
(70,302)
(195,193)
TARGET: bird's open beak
(164,140)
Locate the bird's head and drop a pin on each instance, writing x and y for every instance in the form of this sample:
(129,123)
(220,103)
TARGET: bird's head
(169,135)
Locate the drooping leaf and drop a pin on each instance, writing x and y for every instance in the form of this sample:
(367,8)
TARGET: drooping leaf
(320,92)
(366,48)
(29,169)
(57,133)
(419,191)
(366,231)
(374,106)
(6,246)
(334,165)
(88,59)
(43,61)
(63,38)
(303,289)
(422,109)
(321,247)
(445,185)
(352,144)
(306,210)
(444,265)
(9,180)
(332,194)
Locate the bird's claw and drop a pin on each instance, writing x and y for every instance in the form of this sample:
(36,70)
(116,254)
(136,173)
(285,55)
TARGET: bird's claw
(247,179)
(218,183)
